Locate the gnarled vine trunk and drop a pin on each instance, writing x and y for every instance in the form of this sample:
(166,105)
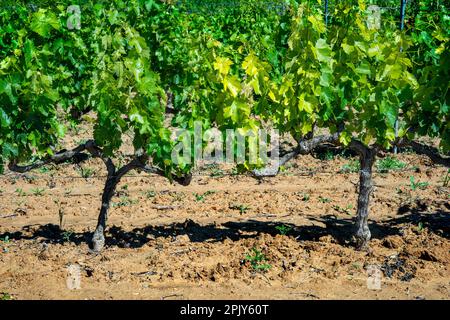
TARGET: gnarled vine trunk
(137,163)
(113,178)
(367,158)
(98,239)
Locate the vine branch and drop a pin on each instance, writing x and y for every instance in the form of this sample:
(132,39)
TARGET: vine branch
(304,147)
(138,162)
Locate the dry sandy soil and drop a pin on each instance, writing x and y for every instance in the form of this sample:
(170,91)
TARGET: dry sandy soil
(171,242)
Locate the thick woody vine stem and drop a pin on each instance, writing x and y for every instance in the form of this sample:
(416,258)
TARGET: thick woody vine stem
(367,157)
(429,151)
(113,178)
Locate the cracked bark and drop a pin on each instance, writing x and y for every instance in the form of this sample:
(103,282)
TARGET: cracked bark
(367,157)
(98,238)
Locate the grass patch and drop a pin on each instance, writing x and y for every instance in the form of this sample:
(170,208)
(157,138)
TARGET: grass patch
(38,191)
(124,202)
(324,200)
(150,194)
(66,235)
(353,166)
(20,192)
(389,164)
(5,296)
(86,172)
(346,210)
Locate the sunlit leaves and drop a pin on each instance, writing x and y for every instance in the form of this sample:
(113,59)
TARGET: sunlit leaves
(29,51)
(430,54)
(6,87)
(232,84)
(222,65)
(251,64)
(304,105)
(44,21)
(317,23)
(345,138)
(353,75)
(348,49)
(237,110)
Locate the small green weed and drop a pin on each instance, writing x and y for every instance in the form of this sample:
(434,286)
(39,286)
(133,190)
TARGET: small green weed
(283,229)
(124,202)
(20,192)
(5,296)
(66,235)
(417,185)
(241,207)
(352,166)
(150,194)
(345,210)
(201,197)
(38,191)
(324,200)
(257,260)
(86,172)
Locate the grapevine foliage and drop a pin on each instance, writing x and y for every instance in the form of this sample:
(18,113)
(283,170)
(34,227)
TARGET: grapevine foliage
(228,68)
(430,34)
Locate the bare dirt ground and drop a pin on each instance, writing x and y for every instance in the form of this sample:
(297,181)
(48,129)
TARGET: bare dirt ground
(171,242)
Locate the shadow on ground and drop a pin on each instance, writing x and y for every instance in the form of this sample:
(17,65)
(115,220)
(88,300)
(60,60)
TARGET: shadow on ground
(340,229)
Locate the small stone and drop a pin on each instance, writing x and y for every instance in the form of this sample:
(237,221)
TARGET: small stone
(326,239)
(183,238)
